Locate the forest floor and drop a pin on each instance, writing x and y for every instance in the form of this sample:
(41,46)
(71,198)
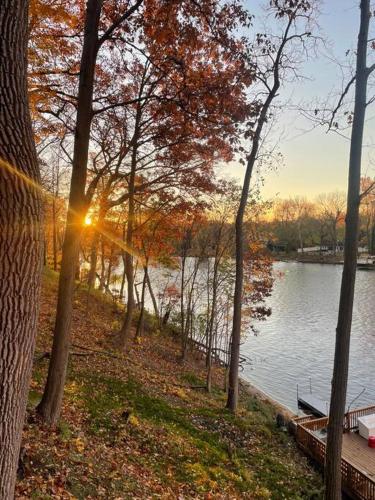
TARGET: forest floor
(140,426)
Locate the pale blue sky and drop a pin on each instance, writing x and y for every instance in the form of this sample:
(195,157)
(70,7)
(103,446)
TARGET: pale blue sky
(316,162)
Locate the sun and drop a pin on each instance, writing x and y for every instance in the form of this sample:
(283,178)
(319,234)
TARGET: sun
(88,220)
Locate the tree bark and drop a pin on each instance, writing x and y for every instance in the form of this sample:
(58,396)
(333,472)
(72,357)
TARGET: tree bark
(103,209)
(182,307)
(54,233)
(211,325)
(123,279)
(188,329)
(50,406)
(343,330)
(54,215)
(140,324)
(129,268)
(91,277)
(21,240)
(232,401)
(152,295)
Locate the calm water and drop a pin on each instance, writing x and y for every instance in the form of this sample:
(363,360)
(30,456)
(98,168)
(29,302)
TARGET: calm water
(297,342)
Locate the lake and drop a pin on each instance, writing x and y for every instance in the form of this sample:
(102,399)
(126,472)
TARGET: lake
(297,342)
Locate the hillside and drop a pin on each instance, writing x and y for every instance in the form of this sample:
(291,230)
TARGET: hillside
(140,426)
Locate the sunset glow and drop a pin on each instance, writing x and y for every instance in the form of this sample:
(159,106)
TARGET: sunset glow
(88,220)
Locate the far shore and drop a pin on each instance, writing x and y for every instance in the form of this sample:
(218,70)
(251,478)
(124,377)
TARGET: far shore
(311,259)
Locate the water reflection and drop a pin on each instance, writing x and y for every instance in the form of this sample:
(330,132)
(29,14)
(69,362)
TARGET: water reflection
(297,341)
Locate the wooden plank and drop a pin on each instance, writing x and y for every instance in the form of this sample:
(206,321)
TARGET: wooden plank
(315,405)
(357,452)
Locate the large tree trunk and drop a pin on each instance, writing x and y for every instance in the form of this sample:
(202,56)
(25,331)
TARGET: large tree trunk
(341,363)
(50,406)
(21,241)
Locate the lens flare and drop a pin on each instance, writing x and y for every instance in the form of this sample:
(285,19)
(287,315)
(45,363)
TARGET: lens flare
(32,184)
(88,220)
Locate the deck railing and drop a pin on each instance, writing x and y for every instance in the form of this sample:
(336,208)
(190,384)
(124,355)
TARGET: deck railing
(355,482)
(351,418)
(303,419)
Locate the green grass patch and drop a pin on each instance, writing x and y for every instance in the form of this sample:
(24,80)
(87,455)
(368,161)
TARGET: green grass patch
(197,455)
(192,379)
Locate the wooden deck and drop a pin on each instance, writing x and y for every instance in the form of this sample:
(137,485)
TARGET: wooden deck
(357,461)
(356,451)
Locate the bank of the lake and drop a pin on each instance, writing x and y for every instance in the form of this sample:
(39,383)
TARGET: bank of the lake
(311,258)
(137,426)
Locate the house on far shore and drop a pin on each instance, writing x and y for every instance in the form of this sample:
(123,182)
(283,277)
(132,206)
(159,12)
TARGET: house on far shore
(279,247)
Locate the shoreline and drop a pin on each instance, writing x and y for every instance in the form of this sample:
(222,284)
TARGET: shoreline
(257,393)
(310,261)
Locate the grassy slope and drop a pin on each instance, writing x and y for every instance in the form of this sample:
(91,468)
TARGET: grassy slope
(133,426)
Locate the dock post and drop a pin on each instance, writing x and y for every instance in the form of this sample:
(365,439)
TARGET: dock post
(297,394)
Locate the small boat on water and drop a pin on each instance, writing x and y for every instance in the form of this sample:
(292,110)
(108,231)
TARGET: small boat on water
(366,264)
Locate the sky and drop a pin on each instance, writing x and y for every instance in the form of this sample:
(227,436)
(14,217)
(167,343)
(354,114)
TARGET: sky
(315,161)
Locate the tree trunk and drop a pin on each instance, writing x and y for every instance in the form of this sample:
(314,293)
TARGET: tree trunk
(372,243)
(152,295)
(95,240)
(211,327)
(182,307)
(167,313)
(232,401)
(208,312)
(109,270)
(129,268)
(93,261)
(54,234)
(50,406)
(102,265)
(300,237)
(334,238)
(188,329)
(21,240)
(341,363)
(123,256)
(123,279)
(140,324)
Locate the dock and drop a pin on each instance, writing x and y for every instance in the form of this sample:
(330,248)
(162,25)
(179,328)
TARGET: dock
(316,406)
(357,459)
